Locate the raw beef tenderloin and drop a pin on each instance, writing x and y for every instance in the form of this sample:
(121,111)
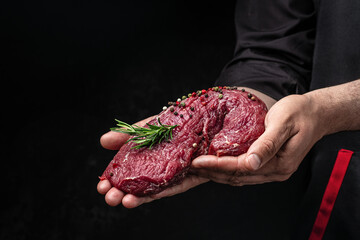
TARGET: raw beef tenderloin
(219,121)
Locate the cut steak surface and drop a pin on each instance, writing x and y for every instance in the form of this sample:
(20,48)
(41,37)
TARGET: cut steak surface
(219,121)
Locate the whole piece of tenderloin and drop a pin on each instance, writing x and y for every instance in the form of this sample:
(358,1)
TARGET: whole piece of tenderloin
(218,121)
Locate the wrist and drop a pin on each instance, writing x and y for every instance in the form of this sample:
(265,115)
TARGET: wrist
(320,113)
(337,107)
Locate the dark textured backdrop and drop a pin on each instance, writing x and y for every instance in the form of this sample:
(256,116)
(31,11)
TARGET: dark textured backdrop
(70,68)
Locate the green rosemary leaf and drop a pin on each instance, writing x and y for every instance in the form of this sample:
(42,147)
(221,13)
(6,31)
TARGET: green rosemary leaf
(145,137)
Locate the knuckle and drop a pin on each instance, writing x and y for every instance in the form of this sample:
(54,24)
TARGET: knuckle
(236,178)
(269,146)
(233,180)
(239,173)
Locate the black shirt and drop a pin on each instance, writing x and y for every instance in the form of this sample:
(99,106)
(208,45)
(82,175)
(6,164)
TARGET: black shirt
(290,47)
(293,46)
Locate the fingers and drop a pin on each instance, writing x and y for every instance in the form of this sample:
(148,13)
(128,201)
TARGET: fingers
(220,164)
(233,170)
(266,146)
(103,186)
(221,170)
(189,182)
(114,197)
(131,201)
(113,140)
(226,169)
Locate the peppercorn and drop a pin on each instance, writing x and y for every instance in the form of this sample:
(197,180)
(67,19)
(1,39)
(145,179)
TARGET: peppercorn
(183,97)
(194,145)
(243,90)
(189,95)
(181,115)
(220,96)
(249,95)
(111,174)
(182,104)
(192,108)
(172,109)
(253,98)
(164,108)
(175,113)
(190,116)
(206,95)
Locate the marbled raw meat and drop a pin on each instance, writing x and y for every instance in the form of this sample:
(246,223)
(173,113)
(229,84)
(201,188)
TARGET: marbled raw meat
(222,122)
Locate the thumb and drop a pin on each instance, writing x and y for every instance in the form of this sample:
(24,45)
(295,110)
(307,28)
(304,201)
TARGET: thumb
(265,147)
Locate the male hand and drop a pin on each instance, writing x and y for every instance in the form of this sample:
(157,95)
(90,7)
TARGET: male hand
(291,128)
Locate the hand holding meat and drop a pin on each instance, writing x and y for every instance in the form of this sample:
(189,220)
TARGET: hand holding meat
(293,125)
(218,121)
(291,130)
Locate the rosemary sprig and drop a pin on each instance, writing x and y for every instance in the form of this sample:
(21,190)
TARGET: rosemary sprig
(145,137)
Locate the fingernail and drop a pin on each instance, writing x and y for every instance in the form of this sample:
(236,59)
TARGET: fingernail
(254,161)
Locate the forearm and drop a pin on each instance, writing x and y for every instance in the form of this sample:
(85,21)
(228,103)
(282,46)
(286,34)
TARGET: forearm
(338,107)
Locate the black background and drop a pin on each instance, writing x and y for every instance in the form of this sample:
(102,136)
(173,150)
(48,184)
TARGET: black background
(68,69)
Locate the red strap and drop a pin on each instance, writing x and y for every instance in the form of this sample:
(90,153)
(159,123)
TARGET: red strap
(331,192)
